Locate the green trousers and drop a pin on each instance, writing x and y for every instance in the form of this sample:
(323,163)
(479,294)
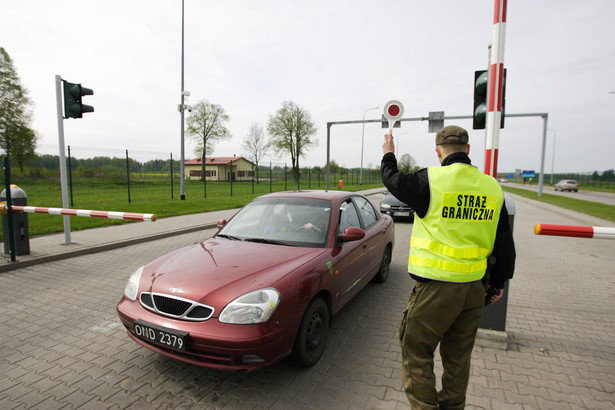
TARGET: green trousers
(446,313)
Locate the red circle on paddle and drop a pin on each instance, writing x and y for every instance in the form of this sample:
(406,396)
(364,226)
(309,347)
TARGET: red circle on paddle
(394,110)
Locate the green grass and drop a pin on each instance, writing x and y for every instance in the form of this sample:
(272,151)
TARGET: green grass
(590,208)
(146,196)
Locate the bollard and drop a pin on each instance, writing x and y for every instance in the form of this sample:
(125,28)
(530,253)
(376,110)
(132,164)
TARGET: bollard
(340,184)
(21,232)
(494,315)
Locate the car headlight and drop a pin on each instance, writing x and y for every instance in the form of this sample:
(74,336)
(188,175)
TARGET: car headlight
(132,287)
(251,308)
(385,206)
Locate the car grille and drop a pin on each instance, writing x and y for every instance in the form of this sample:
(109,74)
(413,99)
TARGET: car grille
(175,307)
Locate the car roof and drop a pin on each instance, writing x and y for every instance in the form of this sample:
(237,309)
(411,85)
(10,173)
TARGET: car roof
(317,194)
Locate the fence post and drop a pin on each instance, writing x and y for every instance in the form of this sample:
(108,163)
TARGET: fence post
(285,178)
(231,177)
(70,177)
(128,175)
(171,172)
(9,203)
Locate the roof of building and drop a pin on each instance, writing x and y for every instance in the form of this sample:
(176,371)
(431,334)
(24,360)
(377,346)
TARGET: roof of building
(214,160)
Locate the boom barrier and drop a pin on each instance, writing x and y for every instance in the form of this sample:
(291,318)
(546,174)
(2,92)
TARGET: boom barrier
(80,212)
(597,232)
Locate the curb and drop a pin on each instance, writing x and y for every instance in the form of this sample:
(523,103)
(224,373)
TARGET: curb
(103,247)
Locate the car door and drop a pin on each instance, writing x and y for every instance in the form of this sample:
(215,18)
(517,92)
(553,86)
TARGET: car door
(369,219)
(353,258)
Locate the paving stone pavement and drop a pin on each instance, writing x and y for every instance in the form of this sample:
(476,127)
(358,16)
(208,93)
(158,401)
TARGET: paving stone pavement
(63,347)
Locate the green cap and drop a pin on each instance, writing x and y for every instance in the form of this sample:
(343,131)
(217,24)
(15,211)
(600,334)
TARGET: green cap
(452,134)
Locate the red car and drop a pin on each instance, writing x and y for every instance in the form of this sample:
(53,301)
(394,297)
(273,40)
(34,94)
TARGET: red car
(265,286)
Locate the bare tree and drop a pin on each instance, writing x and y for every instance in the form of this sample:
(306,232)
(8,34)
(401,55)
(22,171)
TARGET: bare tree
(206,127)
(255,145)
(290,131)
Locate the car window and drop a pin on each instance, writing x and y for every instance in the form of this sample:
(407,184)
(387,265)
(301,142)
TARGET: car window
(366,210)
(284,221)
(348,216)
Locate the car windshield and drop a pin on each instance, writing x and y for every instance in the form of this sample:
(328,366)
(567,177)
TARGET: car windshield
(282,220)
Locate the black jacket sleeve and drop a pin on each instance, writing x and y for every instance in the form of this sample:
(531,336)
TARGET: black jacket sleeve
(504,252)
(412,189)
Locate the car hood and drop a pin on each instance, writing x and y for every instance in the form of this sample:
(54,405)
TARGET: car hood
(218,270)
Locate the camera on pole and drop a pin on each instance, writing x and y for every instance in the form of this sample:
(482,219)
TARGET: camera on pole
(73,107)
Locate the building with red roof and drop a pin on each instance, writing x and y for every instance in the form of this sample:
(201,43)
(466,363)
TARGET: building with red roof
(219,169)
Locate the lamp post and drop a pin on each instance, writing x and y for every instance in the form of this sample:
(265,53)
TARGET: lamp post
(553,155)
(182,177)
(397,145)
(362,137)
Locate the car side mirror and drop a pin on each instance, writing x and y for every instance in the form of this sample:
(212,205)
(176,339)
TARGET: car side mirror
(221,223)
(352,234)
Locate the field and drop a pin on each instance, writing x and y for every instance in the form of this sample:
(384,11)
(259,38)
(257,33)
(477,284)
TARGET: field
(152,195)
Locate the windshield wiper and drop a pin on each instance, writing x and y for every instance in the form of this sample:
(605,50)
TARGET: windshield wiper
(231,237)
(268,241)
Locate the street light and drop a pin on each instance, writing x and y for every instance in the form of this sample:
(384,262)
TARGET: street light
(362,136)
(397,145)
(553,157)
(182,177)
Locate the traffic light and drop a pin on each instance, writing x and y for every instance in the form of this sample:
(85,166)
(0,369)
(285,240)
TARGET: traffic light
(481,80)
(73,108)
(480,100)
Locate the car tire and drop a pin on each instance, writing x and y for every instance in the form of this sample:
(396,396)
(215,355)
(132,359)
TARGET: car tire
(383,271)
(312,335)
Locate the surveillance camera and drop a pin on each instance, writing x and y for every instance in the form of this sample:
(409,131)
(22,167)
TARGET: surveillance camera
(189,108)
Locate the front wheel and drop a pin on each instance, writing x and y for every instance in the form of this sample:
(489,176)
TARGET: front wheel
(312,335)
(383,272)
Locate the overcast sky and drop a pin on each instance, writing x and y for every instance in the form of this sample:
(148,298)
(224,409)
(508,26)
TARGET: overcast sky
(336,59)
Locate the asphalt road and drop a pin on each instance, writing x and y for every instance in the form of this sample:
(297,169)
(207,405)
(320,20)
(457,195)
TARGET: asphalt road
(592,196)
(62,345)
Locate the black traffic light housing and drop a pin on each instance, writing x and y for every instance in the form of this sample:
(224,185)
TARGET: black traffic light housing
(479,115)
(73,108)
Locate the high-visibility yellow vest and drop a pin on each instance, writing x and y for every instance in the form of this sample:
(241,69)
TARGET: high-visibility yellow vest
(454,239)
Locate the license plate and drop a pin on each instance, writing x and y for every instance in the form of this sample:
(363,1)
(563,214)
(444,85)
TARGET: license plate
(401,214)
(172,339)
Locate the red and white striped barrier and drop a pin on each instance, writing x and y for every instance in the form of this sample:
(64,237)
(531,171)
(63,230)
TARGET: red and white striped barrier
(597,232)
(82,212)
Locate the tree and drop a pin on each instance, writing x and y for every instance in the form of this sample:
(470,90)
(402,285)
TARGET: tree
(16,137)
(290,131)
(407,163)
(254,143)
(608,175)
(206,127)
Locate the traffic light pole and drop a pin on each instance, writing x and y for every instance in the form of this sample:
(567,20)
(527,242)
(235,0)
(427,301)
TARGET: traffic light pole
(63,179)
